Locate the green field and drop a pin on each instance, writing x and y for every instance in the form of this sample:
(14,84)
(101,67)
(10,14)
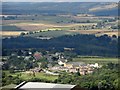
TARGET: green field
(101,60)
(26,76)
(40,76)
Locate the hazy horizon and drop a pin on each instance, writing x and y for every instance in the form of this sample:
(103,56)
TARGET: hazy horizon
(60,1)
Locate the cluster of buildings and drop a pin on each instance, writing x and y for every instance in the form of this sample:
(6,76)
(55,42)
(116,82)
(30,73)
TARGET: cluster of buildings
(64,65)
(74,67)
(61,64)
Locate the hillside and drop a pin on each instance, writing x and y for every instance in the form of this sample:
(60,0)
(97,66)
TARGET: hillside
(60,8)
(82,44)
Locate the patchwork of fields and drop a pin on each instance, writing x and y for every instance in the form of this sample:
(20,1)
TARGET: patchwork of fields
(67,24)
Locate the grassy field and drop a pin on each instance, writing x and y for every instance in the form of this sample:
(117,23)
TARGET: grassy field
(39,75)
(101,60)
(39,26)
(25,76)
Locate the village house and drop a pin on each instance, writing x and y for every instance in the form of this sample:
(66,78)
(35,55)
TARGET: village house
(90,70)
(36,70)
(83,68)
(86,70)
(74,64)
(61,62)
(83,72)
(49,58)
(30,53)
(27,57)
(67,65)
(57,54)
(37,55)
(58,68)
(54,57)
(96,65)
(73,70)
(55,68)
(61,59)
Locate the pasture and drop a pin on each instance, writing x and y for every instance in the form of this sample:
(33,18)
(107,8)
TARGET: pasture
(41,75)
(26,76)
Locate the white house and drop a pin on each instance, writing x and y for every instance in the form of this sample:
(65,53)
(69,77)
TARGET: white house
(94,65)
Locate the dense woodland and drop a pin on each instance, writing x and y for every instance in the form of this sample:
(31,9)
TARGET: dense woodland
(82,44)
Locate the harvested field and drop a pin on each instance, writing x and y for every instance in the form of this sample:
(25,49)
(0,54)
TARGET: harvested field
(11,33)
(35,27)
(81,24)
(41,26)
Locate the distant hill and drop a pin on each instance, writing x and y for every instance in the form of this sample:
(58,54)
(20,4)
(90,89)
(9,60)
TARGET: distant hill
(83,44)
(96,8)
